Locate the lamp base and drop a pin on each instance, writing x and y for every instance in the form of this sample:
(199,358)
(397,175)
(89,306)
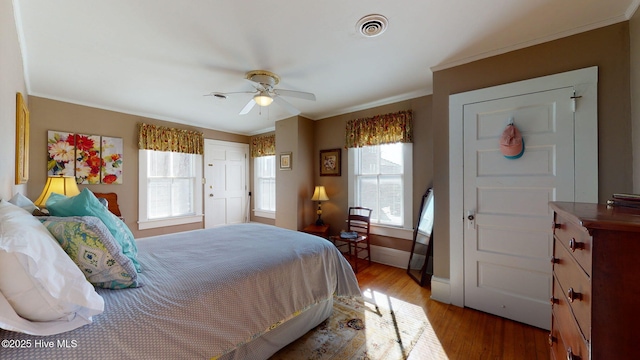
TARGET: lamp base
(319,222)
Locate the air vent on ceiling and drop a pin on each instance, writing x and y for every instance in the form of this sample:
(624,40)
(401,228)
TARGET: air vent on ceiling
(372,25)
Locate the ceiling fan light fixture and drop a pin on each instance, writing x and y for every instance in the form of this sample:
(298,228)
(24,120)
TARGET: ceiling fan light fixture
(263,99)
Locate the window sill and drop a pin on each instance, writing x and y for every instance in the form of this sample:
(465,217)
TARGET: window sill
(264,214)
(151,224)
(391,231)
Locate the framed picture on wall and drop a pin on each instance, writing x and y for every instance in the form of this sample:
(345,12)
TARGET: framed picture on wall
(330,162)
(22,140)
(285,161)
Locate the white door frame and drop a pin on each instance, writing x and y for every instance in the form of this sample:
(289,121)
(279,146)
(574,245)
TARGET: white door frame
(585,82)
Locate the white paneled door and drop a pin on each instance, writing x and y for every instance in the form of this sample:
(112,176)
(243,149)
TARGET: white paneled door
(500,223)
(508,238)
(226,184)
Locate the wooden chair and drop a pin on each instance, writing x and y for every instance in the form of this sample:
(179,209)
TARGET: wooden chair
(358,220)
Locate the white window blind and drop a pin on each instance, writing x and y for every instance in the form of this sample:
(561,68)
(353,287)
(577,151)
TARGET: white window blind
(380,178)
(265,186)
(170,188)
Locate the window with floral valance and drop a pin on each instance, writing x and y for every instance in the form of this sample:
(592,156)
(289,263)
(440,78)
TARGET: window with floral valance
(263,152)
(379,129)
(162,138)
(263,145)
(380,171)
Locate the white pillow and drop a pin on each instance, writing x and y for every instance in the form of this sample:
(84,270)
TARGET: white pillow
(38,279)
(22,201)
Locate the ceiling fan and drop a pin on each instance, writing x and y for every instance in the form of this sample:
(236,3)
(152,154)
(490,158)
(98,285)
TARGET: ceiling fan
(264,81)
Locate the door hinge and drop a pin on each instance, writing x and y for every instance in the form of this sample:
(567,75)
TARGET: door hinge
(204,181)
(573,101)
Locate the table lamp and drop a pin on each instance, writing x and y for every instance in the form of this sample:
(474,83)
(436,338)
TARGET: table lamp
(65,185)
(319,195)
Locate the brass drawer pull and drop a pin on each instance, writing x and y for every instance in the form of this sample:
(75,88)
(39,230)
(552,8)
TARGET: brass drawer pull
(573,295)
(552,339)
(573,245)
(555,225)
(554,301)
(555,260)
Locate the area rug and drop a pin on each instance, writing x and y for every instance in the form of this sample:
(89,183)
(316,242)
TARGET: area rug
(359,329)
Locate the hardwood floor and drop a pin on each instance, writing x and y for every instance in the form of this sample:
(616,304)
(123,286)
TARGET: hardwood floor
(453,332)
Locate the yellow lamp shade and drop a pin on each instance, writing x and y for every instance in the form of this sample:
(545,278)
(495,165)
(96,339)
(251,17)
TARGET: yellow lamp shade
(319,194)
(64,185)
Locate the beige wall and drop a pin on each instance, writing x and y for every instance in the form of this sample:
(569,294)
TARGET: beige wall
(295,186)
(49,114)
(607,48)
(11,82)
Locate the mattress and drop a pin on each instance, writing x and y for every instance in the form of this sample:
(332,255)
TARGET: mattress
(205,294)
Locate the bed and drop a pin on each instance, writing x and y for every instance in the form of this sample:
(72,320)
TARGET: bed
(234,292)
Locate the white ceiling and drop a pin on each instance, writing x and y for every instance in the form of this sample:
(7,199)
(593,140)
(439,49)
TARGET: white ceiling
(157,58)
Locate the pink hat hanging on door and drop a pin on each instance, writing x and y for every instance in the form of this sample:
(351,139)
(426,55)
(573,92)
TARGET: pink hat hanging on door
(511,142)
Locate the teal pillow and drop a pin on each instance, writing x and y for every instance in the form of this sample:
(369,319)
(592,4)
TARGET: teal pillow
(55,197)
(87,204)
(91,246)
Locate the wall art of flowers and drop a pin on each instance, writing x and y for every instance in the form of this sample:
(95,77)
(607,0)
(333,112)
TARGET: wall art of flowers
(88,161)
(92,159)
(61,153)
(111,160)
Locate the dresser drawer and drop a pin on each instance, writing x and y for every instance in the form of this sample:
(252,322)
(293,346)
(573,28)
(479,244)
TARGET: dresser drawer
(576,240)
(573,288)
(558,350)
(567,340)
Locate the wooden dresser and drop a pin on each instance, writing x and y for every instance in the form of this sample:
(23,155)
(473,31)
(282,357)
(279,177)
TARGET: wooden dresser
(596,282)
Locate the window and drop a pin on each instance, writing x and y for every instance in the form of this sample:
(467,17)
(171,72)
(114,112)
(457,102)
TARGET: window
(380,178)
(170,188)
(264,168)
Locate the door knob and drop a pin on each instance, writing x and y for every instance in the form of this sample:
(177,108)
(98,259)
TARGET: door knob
(471,224)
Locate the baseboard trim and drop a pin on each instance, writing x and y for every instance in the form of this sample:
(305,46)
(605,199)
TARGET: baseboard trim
(388,256)
(440,290)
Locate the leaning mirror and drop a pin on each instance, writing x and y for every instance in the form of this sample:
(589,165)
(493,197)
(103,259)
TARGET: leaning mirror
(421,257)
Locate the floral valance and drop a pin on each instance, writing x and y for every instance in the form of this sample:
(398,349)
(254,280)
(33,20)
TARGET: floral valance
(263,145)
(162,138)
(380,129)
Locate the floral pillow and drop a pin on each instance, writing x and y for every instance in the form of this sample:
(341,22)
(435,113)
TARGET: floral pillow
(86,204)
(91,246)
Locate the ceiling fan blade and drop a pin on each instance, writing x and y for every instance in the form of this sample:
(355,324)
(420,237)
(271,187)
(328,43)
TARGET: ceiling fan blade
(295,94)
(257,85)
(224,94)
(285,104)
(245,110)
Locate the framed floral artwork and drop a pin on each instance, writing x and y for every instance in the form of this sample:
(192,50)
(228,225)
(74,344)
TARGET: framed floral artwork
(88,161)
(285,161)
(61,152)
(22,140)
(330,162)
(92,159)
(111,160)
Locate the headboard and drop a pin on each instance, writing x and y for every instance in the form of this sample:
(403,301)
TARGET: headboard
(112,202)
